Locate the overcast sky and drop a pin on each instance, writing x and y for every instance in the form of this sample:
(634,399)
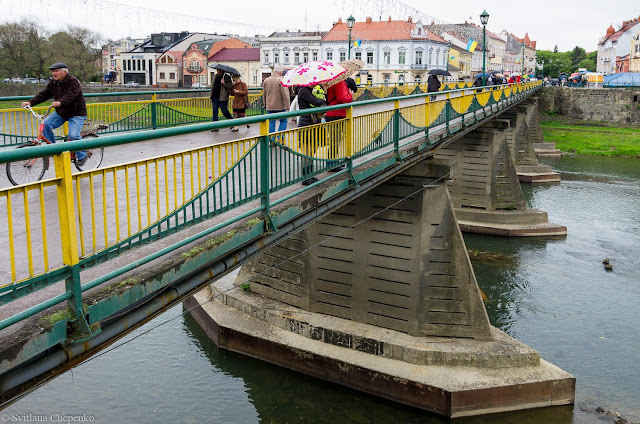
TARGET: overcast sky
(562,23)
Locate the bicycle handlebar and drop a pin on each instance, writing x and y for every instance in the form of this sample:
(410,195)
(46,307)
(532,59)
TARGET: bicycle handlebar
(36,114)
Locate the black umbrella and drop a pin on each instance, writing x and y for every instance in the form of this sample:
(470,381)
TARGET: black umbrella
(439,72)
(225,68)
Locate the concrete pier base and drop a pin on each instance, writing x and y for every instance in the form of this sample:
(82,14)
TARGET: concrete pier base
(448,376)
(517,223)
(537,174)
(546,149)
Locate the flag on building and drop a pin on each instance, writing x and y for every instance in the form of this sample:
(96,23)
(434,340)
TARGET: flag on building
(357,43)
(471,45)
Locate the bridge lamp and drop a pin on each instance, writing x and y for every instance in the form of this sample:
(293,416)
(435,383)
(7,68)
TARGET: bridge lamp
(350,22)
(484,18)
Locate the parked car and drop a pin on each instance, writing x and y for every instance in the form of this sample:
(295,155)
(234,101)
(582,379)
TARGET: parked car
(198,85)
(7,80)
(44,81)
(16,80)
(30,81)
(132,84)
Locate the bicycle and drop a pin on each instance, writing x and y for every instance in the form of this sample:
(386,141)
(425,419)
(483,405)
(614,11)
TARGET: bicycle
(32,170)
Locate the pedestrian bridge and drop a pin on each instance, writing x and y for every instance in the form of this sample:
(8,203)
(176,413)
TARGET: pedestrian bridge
(92,255)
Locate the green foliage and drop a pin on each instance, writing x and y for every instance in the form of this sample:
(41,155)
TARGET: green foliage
(556,62)
(593,140)
(27,51)
(245,287)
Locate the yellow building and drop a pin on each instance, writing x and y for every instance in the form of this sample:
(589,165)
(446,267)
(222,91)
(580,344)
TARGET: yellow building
(634,56)
(461,59)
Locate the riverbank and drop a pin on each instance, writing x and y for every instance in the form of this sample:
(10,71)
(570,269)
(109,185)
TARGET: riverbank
(590,139)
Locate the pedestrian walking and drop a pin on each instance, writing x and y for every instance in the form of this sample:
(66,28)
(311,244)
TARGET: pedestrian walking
(276,98)
(309,97)
(240,99)
(219,95)
(337,94)
(433,84)
(69,105)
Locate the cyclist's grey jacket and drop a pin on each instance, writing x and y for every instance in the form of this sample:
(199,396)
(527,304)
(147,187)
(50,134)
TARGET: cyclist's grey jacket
(68,92)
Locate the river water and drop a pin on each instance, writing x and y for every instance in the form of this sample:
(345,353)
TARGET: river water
(552,294)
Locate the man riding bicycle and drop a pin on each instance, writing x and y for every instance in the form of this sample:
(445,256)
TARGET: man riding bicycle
(69,106)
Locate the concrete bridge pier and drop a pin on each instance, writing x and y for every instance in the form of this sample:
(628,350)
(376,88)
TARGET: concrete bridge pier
(380,296)
(523,133)
(485,189)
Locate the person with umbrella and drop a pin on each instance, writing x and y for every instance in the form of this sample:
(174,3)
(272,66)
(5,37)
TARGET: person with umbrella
(309,78)
(219,94)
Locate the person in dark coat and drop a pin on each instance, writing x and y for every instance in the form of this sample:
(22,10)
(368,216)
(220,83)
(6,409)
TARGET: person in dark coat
(69,105)
(433,84)
(219,95)
(309,144)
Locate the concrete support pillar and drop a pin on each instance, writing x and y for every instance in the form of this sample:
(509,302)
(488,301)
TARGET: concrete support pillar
(485,190)
(395,259)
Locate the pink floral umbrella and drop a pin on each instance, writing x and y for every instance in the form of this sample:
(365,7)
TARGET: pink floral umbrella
(312,73)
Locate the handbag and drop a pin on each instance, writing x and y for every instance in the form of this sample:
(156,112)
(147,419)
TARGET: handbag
(247,105)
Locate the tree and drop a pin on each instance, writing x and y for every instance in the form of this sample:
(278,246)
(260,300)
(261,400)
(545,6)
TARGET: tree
(13,50)
(576,56)
(79,48)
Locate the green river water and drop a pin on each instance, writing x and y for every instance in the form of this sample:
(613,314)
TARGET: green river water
(552,294)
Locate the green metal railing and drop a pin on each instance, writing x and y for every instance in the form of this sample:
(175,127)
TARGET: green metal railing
(107,212)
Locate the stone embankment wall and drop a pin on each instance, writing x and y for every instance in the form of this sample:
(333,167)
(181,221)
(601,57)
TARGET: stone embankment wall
(610,105)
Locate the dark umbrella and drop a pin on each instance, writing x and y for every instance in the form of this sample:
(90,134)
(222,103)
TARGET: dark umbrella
(487,75)
(225,68)
(439,72)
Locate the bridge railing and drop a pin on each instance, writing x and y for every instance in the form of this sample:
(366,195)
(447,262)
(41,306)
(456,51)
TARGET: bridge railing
(18,125)
(55,228)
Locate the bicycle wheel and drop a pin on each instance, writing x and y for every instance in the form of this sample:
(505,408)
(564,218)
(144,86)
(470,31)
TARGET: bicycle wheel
(28,170)
(94,157)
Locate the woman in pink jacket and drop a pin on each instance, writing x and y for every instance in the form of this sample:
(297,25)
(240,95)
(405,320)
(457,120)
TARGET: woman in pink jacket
(336,95)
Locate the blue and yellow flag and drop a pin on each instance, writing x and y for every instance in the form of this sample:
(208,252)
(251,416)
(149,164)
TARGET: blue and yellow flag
(471,45)
(357,43)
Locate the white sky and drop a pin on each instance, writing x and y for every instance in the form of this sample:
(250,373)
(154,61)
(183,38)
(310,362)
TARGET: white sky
(565,23)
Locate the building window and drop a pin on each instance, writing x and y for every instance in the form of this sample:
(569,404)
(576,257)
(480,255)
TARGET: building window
(369,77)
(172,75)
(296,58)
(430,56)
(161,75)
(359,55)
(418,58)
(286,58)
(195,66)
(315,55)
(343,56)
(387,58)
(370,58)
(329,56)
(401,57)
(387,78)
(417,79)
(266,57)
(305,57)
(438,57)
(401,79)
(276,58)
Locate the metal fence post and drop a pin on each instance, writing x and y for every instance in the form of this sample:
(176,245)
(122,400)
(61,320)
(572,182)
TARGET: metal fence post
(396,129)
(154,111)
(265,172)
(447,107)
(69,237)
(348,141)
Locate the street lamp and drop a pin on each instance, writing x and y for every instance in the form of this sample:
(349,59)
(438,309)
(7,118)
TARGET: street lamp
(350,21)
(523,60)
(448,54)
(484,18)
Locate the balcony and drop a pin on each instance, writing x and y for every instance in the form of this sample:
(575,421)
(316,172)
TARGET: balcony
(420,66)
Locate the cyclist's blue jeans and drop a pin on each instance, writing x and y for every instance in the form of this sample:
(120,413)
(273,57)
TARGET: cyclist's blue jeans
(272,122)
(54,121)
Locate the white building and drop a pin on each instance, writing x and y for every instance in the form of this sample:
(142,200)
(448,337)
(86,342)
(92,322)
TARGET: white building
(289,49)
(393,51)
(614,44)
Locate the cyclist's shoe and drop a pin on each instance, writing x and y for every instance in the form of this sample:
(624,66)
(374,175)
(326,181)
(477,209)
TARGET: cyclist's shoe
(81,162)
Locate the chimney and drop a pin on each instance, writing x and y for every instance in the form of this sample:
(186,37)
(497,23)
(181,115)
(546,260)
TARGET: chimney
(410,20)
(389,18)
(339,20)
(368,20)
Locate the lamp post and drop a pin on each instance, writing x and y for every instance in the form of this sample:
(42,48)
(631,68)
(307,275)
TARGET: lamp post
(350,21)
(523,60)
(484,18)
(448,54)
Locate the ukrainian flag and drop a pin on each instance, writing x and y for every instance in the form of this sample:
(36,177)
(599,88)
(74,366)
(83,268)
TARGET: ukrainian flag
(357,43)
(471,45)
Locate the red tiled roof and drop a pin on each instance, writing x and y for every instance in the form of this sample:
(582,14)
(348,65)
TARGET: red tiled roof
(376,30)
(236,55)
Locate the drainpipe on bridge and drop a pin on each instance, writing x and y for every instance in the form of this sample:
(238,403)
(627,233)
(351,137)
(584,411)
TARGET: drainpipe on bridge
(269,227)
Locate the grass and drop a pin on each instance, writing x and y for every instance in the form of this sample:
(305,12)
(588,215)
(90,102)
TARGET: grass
(592,139)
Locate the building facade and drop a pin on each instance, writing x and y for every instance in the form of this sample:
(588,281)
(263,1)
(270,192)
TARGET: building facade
(634,57)
(245,60)
(288,49)
(393,51)
(615,44)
